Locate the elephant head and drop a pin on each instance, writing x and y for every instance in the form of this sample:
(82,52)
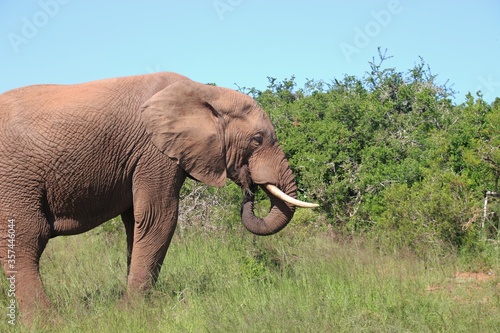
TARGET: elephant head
(216,133)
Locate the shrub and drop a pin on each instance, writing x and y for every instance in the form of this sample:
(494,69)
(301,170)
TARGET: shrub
(389,154)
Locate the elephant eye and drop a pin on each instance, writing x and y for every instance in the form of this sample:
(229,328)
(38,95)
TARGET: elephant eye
(258,140)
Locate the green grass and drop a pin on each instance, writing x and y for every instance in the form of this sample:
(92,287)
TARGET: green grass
(300,280)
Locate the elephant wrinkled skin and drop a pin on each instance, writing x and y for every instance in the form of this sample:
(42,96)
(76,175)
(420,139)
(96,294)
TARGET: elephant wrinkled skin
(75,156)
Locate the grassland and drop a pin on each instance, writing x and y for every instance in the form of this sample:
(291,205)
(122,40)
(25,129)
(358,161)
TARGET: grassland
(304,279)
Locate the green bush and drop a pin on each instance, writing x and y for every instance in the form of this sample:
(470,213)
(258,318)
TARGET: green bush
(427,217)
(390,154)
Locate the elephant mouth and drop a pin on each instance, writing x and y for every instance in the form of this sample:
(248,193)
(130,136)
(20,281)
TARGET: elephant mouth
(243,179)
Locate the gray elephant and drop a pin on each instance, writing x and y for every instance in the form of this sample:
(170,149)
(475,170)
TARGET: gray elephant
(75,156)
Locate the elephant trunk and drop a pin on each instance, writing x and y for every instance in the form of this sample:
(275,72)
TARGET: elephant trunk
(283,202)
(276,178)
(278,217)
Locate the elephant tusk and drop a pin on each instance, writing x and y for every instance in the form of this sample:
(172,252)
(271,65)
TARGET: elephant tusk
(280,195)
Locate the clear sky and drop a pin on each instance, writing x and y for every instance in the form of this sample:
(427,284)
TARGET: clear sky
(242,42)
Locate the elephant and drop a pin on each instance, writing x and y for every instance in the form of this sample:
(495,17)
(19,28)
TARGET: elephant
(74,156)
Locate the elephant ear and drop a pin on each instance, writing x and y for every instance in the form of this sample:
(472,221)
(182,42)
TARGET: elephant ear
(183,125)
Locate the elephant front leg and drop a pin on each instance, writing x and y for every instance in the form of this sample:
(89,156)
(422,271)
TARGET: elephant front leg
(153,230)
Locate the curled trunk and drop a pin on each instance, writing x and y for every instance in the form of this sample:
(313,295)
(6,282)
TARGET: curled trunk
(276,178)
(278,217)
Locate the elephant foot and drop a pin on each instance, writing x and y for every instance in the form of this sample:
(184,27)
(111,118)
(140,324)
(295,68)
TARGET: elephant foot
(42,319)
(132,300)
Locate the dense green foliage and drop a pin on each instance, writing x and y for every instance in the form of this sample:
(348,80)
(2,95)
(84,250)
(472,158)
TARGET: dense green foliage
(391,156)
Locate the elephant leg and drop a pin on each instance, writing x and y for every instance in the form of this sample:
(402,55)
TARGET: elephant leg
(153,230)
(156,185)
(128,222)
(23,267)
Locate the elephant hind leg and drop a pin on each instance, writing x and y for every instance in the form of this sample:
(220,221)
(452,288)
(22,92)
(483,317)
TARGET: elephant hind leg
(128,222)
(27,236)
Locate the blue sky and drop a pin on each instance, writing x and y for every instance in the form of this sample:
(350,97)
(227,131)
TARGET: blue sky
(242,42)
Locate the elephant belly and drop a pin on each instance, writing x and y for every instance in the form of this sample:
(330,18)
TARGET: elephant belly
(81,214)
(69,226)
